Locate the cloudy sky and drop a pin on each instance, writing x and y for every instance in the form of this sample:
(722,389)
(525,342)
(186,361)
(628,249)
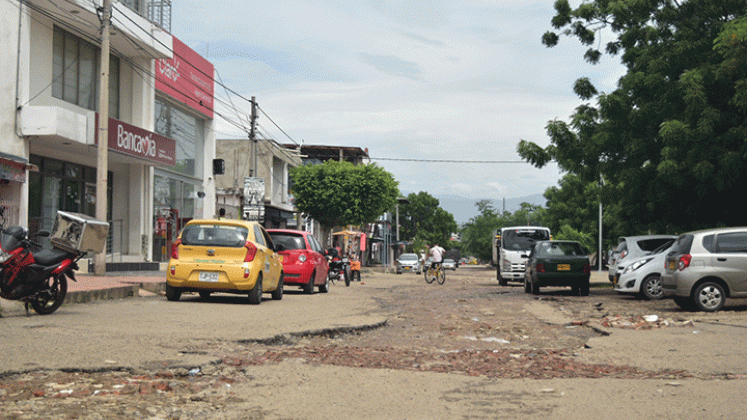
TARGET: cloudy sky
(426,80)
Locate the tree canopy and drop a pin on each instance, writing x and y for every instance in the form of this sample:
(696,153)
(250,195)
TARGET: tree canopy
(340,193)
(670,142)
(423,220)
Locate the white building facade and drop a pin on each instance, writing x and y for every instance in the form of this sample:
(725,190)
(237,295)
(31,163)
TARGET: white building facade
(158,138)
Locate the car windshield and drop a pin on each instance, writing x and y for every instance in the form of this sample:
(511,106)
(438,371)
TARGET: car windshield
(408,257)
(523,239)
(560,249)
(288,240)
(215,235)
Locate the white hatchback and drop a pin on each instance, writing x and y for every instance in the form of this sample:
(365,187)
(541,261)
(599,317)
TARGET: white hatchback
(642,276)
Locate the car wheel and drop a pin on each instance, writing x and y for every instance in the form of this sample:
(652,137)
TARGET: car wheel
(172,293)
(277,294)
(527,287)
(535,288)
(205,295)
(255,295)
(501,280)
(685,303)
(709,297)
(325,287)
(308,288)
(651,288)
(584,288)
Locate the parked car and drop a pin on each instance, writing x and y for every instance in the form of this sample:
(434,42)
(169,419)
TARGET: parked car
(302,255)
(449,264)
(630,248)
(642,276)
(705,267)
(226,256)
(557,263)
(408,263)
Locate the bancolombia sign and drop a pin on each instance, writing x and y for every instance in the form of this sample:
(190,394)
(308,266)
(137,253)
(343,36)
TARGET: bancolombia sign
(188,78)
(140,143)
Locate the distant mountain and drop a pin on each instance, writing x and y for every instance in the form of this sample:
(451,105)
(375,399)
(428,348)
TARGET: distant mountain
(464,209)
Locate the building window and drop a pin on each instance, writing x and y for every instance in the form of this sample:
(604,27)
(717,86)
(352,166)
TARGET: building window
(75,64)
(61,186)
(188,131)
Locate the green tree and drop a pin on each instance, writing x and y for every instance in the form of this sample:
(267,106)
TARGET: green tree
(477,234)
(424,221)
(567,233)
(671,137)
(340,193)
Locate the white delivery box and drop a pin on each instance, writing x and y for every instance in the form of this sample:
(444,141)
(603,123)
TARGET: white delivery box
(76,232)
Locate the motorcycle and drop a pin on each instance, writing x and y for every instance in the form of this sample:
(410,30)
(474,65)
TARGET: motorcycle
(38,278)
(339,267)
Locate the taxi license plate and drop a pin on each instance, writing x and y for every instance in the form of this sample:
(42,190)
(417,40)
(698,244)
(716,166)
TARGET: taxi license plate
(671,265)
(564,267)
(209,276)
(406,268)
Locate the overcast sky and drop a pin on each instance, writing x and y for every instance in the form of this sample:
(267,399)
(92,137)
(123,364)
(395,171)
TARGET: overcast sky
(425,80)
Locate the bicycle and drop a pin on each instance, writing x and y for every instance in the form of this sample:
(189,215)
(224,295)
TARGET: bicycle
(438,274)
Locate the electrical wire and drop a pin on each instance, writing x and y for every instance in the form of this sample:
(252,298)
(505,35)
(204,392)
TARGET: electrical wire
(450,160)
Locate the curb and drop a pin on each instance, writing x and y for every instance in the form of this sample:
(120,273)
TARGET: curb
(86,296)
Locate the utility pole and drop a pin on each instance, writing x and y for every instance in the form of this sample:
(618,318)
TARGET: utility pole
(253,137)
(102,163)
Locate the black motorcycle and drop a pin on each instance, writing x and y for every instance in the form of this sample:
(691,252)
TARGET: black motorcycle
(339,267)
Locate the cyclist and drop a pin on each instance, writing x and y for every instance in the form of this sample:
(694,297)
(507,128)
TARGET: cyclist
(437,253)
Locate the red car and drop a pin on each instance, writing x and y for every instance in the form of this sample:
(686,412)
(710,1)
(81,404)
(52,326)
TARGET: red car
(304,263)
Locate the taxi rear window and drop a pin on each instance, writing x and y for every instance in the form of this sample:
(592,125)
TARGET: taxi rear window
(215,235)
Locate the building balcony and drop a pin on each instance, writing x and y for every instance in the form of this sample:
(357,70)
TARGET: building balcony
(132,35)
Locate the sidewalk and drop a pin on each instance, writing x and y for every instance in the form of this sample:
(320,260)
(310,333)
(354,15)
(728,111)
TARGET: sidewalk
(116,285)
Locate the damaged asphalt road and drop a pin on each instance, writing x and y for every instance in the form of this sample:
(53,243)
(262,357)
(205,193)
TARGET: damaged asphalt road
(222,358)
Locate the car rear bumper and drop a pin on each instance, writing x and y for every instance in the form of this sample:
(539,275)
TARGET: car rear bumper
(563,279)
(296,274)
(230,278)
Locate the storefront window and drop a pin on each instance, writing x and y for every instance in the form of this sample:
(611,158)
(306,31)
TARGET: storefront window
(187,130)
(174,206)
(61,186)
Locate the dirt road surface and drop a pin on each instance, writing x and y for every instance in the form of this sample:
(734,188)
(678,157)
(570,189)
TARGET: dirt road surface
(390,347)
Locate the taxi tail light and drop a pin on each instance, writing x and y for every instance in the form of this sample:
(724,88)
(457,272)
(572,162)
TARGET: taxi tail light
(684,261)
(540,268)
(175,249)
(587,268)
(251,251)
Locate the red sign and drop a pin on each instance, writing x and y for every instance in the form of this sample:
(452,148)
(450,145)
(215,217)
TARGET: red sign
(188,78)
(144,144)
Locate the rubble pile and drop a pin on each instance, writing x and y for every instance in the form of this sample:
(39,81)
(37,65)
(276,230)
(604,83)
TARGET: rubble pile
(645,322)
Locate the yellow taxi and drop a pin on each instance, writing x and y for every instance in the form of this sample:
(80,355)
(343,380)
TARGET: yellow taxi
(224,256)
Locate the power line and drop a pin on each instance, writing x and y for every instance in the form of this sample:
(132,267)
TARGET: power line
(449,160)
